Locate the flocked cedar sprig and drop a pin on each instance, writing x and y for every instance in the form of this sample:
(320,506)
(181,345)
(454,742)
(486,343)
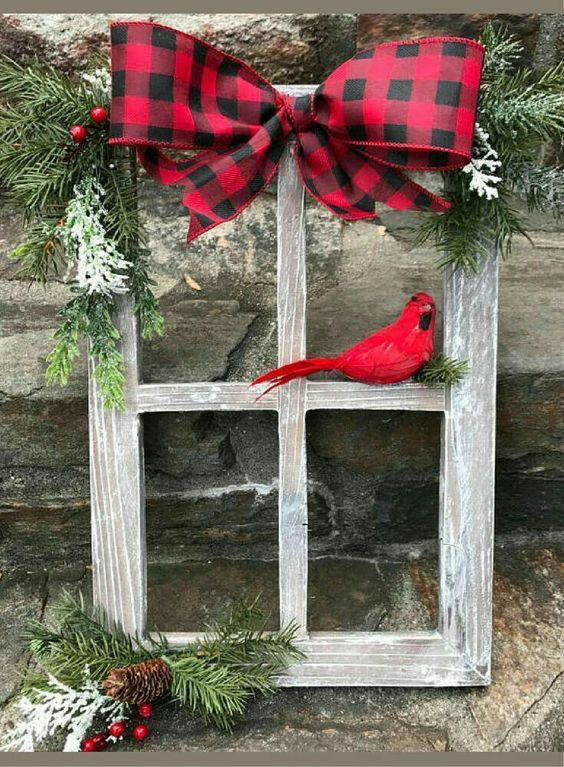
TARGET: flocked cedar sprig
(213,679)
(519,109)
(57,708)
(80,209)
(442,370)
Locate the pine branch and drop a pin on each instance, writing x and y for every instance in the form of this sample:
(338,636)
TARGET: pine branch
(542,187)
(472,228)
(523,111)
(242,642)
(442,370)
(61,359)
(73,653)
(85,638)
(213,691)
(146,304)
(103,337)
(214,680)
(40,639)
(92,316)
(503,51)
(42,254)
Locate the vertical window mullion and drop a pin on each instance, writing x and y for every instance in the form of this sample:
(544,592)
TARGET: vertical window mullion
(292,289)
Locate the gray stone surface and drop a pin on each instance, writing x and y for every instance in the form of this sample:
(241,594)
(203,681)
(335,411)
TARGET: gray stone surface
(302,47)
(520,711)
(374,27)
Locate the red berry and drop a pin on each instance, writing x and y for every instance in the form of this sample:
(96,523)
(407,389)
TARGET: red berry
(145,710)
(88,745)
(116,729)
(98,115)
(140,732)
(78,133)
(99,741)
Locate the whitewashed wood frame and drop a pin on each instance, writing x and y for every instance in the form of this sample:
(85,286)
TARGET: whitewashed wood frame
(458,651)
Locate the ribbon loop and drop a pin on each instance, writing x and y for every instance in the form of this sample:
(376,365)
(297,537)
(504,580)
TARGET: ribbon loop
(389,109)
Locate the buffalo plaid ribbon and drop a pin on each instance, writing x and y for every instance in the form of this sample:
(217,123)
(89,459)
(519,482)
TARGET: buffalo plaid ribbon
(396,107)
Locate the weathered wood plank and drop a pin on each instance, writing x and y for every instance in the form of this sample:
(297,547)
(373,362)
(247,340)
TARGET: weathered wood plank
(467,466)
(292,493)
(216,395)
(320,395)
(362,677)
(350,395)
(298,89)
(400,642)
(117,493)
(372,659)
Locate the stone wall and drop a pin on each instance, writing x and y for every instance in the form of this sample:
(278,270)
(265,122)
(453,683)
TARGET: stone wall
(211,479)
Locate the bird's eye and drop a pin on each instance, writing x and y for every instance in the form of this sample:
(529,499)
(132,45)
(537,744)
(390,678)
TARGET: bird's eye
(414,298)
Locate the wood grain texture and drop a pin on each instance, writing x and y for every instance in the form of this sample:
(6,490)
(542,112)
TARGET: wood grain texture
(117,493)
(350,395)
(467,467)
(216,395)
(362,659)
(292,491)
(319,395)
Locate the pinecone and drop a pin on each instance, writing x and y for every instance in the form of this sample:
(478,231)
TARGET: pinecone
(141,683)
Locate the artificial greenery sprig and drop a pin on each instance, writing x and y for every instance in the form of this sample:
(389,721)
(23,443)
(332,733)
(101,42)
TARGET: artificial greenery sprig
(442,370)
(520,109)
(45,174)
(214,679)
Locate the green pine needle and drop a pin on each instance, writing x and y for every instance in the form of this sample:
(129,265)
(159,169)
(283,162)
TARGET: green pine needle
(61,359)
(442,370)
(215,692)
(85,638)
(521,109)
(503,51)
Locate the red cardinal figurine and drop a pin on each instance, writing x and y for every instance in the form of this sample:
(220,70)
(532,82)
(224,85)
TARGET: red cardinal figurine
(392,354)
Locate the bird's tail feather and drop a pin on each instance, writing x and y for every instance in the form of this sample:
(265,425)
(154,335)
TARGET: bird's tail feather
(292,370)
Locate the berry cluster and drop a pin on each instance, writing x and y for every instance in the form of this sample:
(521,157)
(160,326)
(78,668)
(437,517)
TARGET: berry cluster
(117,730)
(79,134)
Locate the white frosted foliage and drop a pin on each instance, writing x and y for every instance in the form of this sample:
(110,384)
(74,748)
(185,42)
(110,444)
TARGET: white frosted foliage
(59,708)
(483,167)
(99,82)
(100,266)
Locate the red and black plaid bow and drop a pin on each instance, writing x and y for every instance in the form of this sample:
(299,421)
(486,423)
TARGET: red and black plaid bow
(395,107)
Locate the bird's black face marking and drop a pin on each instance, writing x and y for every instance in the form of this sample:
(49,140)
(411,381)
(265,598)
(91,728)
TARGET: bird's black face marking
(425,320)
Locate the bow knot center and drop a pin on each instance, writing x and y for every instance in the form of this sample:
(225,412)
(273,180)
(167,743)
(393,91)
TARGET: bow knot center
(299,111)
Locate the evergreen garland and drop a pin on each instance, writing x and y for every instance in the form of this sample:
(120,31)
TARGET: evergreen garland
(213,679)
(45,173)
(520,110)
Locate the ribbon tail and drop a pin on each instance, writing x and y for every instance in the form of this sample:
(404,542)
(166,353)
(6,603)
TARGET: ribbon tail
(399,191)
(350,182)
(219,183)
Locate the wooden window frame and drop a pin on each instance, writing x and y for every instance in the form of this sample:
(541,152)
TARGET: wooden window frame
(456,653)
